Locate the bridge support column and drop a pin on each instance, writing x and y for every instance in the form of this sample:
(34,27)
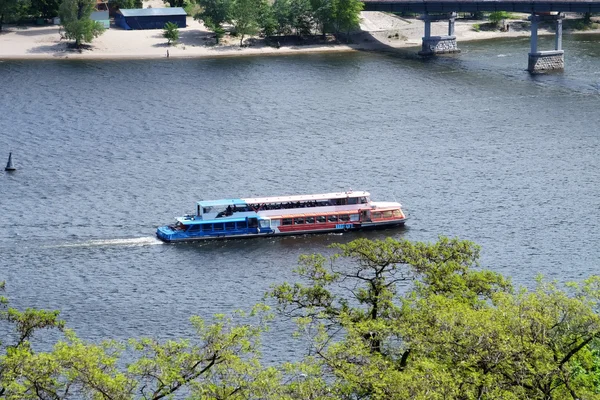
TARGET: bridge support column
(552,60)
(433,45)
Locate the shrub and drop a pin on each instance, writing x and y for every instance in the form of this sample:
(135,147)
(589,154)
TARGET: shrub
(498,16)
(171,32)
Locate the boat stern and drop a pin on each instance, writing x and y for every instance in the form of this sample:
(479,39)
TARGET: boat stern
(167,234)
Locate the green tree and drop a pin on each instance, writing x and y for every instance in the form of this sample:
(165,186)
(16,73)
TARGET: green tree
(387,320)
(214,14)
(323,12)
(244,15)
(21,327)
(11,10)
(266,18)
(532,344)
(44,8)
(301,17)
(222,361)
(347,15)
(171,32)
(462,330)
(498,16)
(75,19)
(444,267)
(282,13)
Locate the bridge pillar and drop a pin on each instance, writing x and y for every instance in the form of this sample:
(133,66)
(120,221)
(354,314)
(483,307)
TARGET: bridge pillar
(552,60)
(433,45)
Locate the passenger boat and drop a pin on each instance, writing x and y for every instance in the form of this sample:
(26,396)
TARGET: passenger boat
(283,215)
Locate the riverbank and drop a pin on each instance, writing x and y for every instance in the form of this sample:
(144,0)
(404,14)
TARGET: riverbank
(378,31)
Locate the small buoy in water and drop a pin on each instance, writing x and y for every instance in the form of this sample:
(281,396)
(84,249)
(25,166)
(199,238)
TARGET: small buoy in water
(9,164)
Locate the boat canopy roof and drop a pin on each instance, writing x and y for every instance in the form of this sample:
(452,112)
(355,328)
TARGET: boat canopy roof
(282,199)
(222,202)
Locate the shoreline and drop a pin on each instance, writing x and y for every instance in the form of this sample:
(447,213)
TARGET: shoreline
(379,32)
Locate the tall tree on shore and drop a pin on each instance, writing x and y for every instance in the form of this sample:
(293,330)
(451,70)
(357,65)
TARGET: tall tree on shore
(323,12)
(76,21)
(347,15)
(214,14)
(11,10)
(282,14)
(301,16)
(244,16)
(266,18)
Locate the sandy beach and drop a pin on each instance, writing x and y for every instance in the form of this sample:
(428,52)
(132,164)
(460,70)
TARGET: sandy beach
(378,31)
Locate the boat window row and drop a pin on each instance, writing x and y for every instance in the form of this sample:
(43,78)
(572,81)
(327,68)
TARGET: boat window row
(220,226)
(223,211)
(311,203)
(319,219)
(386,214)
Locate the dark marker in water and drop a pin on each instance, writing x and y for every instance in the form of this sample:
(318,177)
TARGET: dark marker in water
(9,164)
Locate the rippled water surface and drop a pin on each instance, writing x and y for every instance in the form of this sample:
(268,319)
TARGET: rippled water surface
(108,150)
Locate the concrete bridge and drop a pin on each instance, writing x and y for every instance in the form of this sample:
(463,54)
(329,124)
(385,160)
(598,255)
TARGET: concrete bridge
(540,10)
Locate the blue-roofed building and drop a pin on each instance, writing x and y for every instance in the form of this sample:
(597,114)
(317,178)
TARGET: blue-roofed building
(150,18)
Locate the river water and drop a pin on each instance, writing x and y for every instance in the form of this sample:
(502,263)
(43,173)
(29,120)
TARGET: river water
(472,145)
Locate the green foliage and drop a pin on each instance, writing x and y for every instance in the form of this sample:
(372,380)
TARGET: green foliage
(244,15)
(171,32)
(497,16)
(214,14)
(323,14)
(476,27)
(347,15)
(385,319)
(526,345)
(192,8)
(12,10)
(43,8)
(266,18)
(16,352)
(75,19)
(301,17)
(282,13)
(282,17)
(463,331)
(222,362)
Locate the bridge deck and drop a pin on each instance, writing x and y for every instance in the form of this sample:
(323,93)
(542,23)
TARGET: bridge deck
(444,6)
